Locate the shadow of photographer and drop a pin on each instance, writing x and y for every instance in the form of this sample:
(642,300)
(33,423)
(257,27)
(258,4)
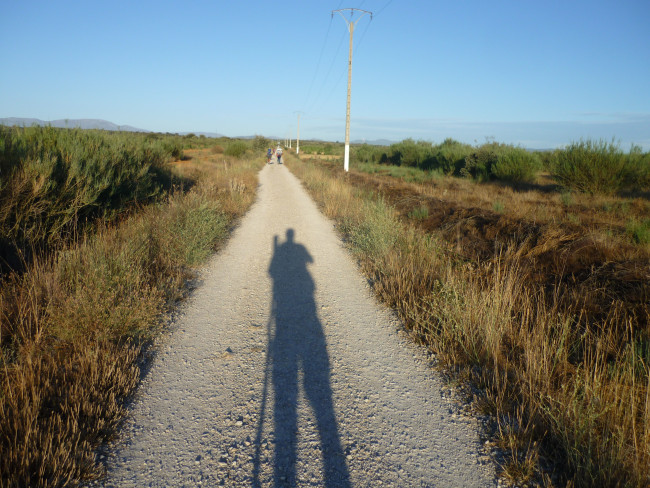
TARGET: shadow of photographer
(297,344)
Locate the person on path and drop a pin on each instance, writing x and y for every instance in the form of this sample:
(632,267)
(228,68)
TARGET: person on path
(278,153)
(269,154)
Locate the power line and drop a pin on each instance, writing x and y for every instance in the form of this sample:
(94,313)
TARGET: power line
(384,7)
(338,49)
(311,85)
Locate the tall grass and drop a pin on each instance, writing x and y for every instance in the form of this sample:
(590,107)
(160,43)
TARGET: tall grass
(74,322)
(561,382)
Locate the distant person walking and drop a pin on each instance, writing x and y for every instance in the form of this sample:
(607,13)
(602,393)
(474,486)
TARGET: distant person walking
(269,155)
(278,153)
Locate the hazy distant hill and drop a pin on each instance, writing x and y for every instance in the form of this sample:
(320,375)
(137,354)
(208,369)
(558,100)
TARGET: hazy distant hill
(376,142)
(106,125)
(70,123)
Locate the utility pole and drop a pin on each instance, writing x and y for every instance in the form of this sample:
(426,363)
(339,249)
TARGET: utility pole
(298,135)
(351,24)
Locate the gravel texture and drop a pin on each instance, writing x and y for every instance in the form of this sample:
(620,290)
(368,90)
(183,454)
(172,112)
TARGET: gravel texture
(282,370)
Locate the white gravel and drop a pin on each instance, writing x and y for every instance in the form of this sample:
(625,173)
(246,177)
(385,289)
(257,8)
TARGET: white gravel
(282,370)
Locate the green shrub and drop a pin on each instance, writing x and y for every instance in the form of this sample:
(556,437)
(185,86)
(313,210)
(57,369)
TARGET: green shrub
(502,162)
(236,149)
(368,154)
(260,143)
(516,165)
(478,165)
(592,167)
(639,169)
(175,148)
(56,181)
(409,153)
(449,157)
(547,159)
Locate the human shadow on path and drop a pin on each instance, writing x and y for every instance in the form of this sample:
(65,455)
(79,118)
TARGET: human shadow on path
(297,344)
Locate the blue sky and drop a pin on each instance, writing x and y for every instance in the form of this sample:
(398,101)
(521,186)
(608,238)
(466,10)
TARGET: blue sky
(538,74)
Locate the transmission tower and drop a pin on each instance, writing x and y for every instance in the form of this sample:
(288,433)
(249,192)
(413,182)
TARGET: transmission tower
(351,24)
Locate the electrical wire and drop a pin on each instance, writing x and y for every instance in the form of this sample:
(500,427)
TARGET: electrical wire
(320,57)
(383,8)
(334,59)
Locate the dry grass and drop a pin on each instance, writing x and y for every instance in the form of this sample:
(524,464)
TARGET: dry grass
(551,324)
(73,324)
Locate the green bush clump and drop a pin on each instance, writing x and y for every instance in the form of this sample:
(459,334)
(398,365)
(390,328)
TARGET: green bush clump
(478,165)
(592,167)
(639,169)
(587,166)
(367,153)
(501,162)
(174,147)
(449,157)
(236,149)
(409,153)
(260,143)
(516,165)
(53,182)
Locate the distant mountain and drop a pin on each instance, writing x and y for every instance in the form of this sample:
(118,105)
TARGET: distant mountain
(376,142)
(70,123)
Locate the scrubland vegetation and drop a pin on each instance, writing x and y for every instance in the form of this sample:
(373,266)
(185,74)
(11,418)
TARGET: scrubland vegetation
(98,234)
(595,167)
(535,295)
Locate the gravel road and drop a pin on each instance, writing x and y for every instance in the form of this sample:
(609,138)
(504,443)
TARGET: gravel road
(282,370)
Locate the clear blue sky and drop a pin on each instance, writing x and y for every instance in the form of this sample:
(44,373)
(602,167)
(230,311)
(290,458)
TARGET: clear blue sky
(536,73)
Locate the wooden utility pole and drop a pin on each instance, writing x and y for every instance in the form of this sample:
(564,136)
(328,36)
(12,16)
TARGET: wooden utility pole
(351,24)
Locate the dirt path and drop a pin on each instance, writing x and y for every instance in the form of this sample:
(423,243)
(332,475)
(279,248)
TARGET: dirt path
(283,371)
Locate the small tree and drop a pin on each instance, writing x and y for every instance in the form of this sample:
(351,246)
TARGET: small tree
(260,143)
